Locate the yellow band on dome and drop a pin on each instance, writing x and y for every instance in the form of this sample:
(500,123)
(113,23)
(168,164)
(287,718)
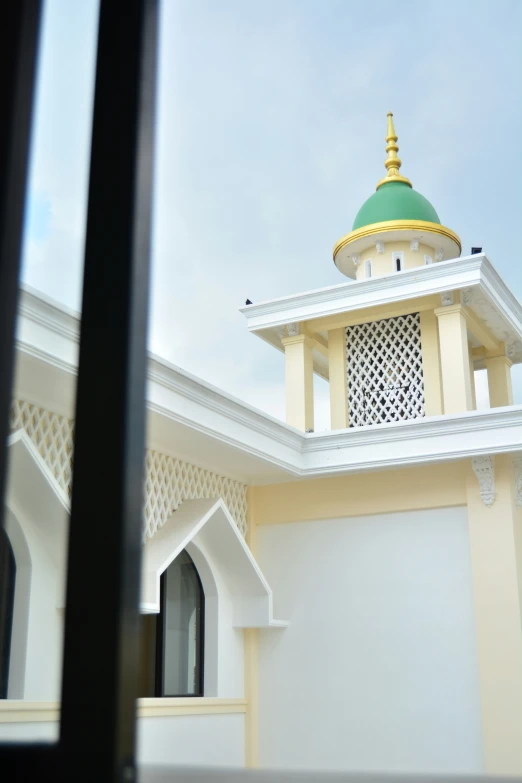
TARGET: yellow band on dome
(396,225)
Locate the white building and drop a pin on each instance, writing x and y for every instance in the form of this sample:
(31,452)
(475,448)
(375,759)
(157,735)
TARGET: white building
(346,600)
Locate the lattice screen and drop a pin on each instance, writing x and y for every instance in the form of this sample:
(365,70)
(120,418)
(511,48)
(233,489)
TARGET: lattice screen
(168,481)
(52,435)
(385,381)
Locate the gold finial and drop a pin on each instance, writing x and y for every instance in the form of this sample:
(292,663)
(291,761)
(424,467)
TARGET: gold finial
(393,162)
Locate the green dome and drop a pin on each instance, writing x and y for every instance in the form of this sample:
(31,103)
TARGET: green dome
(395,201)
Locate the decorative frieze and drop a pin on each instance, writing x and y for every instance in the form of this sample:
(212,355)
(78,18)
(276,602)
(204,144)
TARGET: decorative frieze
(447,298)
(484,469)
(511,349)
(466,297)
(380,247)
(414,245)
(439,255)
(356,259)
(293,330)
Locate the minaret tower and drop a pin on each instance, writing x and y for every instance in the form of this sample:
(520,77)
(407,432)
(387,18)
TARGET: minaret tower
(395,229)
(404,339)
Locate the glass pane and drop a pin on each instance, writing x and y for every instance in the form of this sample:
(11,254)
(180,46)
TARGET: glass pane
(33,551)
(182,629)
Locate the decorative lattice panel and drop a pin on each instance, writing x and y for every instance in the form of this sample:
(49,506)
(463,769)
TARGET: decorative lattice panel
(168,481)
(384,362)
(52,435)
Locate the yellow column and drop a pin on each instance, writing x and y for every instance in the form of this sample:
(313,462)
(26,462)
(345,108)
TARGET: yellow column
(454,359)
(499,381)
(299,381)
(431,363)
(338,379)
(251,640)
(493,533)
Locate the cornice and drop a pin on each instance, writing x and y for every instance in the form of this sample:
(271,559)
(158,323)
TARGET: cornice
(248,431)
(48,313)
(429,427)
(319,454)
(421,281)
(503,299)
(47,358)
(242,445)
(212,398)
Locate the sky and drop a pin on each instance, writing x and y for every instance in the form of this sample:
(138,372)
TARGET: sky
(271,124)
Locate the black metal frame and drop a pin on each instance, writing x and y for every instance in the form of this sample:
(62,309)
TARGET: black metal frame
(97,727)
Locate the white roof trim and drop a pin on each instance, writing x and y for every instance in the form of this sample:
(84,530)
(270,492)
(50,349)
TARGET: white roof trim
(34,494)
(209,522)
(474,271)
(193,420)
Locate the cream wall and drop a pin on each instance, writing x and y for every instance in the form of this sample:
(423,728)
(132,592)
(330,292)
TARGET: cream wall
(378,667)
(410,489)
(382,263)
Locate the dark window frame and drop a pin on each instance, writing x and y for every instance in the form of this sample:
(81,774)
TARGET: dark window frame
(160,640)
(100,647)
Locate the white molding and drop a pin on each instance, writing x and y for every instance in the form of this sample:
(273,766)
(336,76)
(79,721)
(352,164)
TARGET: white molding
(484,469)
(47,312)
(210,397)
(157,708)
(208,522)
(517,469)
(18,711)
(469,272)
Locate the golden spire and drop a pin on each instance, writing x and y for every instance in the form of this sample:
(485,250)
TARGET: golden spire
(393,162)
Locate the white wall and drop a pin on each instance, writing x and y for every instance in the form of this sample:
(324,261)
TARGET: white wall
(38,731)
(200,740)
(223,644)
(378,667)
(192,739)
(37,639)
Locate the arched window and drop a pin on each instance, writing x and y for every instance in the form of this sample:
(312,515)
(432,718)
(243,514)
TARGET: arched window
(7,589)
(172,641)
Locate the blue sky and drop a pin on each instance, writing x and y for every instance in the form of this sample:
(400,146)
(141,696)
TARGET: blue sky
(270,135)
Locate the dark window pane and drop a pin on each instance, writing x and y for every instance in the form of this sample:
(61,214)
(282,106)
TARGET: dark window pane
(182,605)
(7,589)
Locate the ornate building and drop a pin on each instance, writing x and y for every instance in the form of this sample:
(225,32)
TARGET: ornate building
(349,599)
